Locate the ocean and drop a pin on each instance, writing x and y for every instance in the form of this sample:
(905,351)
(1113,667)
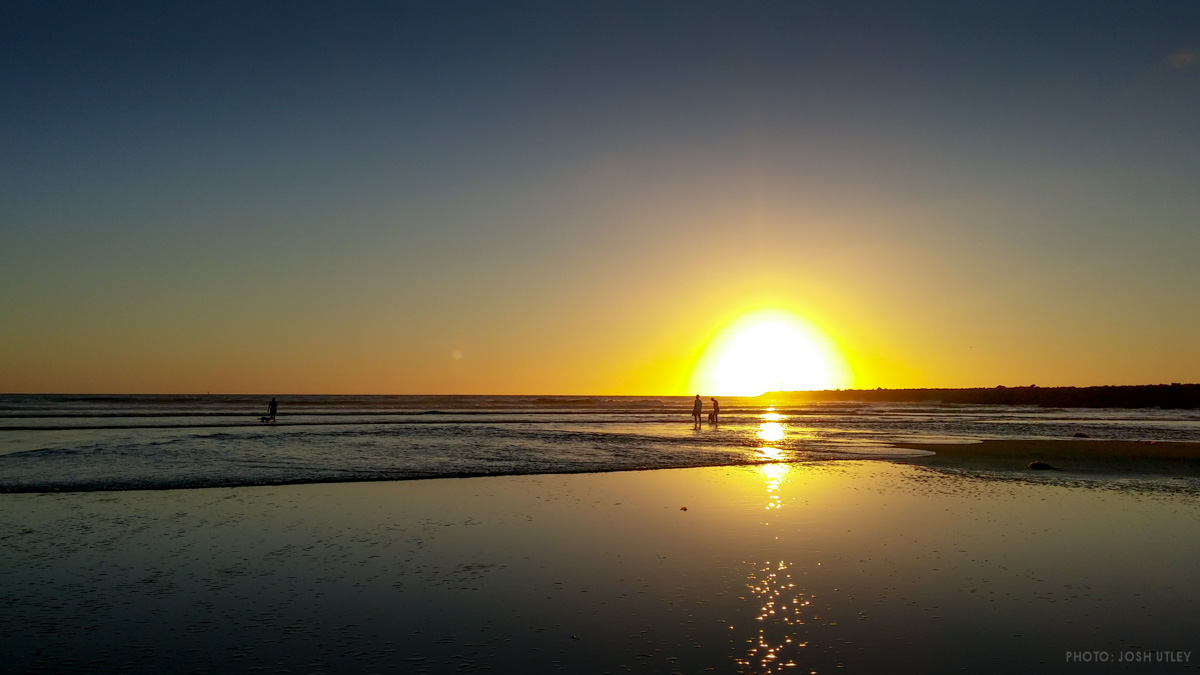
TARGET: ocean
(782,551)
(106,442)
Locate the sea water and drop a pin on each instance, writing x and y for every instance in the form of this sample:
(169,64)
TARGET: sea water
(103,442)
(807,566)
(826,567)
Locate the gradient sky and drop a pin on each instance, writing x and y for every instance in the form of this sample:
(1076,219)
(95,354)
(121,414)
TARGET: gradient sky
(575,197)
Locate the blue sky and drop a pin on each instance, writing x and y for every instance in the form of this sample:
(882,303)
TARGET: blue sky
(961,195)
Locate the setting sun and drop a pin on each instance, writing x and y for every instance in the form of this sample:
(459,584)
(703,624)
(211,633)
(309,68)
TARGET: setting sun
(765,351)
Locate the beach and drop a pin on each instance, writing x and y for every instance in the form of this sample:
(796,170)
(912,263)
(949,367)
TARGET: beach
(857,566)
(1077,456)
(642,337)
(589,535)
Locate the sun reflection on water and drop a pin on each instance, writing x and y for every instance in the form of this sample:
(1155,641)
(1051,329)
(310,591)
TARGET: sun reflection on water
(784,607)
(770,454)
(775,475)
(770,431)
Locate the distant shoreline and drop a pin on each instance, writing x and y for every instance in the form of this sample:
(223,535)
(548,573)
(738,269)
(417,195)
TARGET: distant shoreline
(1170,396)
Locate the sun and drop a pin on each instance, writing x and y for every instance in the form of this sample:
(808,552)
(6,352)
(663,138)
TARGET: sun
(768,350)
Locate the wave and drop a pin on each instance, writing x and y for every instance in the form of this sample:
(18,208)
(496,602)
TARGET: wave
(329,455)
(56,443)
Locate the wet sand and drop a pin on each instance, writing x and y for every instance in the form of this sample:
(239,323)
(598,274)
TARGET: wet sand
(853,566)
(1085,456)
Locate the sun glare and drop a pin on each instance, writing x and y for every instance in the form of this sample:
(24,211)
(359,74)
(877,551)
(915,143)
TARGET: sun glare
(768,351)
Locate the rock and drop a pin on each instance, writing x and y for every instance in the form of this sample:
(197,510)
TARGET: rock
(1079,434)
(683,508)
(1041,466)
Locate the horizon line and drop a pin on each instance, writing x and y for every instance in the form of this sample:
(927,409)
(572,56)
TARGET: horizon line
(766,393)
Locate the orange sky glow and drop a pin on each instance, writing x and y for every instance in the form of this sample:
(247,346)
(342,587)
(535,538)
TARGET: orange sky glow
(413,200)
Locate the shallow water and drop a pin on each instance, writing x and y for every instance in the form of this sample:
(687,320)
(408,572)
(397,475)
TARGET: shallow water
(815,567)
(54,443)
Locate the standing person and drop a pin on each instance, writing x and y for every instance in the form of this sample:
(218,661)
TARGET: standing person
(272,407)
(715,415)
(697,408)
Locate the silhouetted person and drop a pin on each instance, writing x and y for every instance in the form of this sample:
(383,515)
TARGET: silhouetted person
(716,411)
(272,408)
(697,409)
